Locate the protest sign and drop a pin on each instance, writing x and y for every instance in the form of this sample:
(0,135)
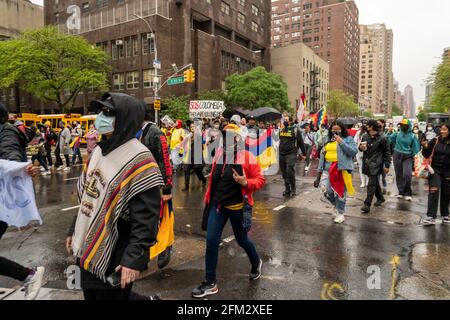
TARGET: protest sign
(206,109)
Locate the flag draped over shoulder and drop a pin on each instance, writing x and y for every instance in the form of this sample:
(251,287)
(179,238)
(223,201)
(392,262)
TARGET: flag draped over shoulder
(320,117)
(262,147)
(301,110)
(166,236)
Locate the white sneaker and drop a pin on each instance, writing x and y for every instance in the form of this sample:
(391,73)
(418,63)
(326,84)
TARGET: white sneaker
(307,168)
(60,168)
(408,198)
(46,173)
(33,283)
(66,169)
(335,213)
(363,185)
(339,219)
(42,169)
(399,196)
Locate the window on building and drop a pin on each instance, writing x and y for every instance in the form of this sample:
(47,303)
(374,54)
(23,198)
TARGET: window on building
(120,48)
(133,80)
(135,45)
(241,18)
(255,26)
(118,81)
(307,40)
(148,76)
(242,3)
(255,10)
(128,48)
(148,43)
(225,8)
(114,52)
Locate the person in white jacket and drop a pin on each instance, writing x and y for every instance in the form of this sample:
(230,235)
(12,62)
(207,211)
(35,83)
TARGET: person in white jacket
(359,157)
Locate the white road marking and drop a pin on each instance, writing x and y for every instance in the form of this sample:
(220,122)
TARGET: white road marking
(229,239)
(279,207)
(71,208)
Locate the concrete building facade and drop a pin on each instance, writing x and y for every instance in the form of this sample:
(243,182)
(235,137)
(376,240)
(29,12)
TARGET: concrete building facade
(376,78)
(409,103)
(330,28)
(17,16)
(218,37)
(304,73)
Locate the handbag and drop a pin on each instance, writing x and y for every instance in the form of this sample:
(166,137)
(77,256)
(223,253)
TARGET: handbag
(422,165)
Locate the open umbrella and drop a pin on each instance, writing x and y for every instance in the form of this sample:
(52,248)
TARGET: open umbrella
(266,114)
(243,112)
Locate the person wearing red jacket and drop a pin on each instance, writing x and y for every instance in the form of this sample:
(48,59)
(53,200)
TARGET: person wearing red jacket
(234,177)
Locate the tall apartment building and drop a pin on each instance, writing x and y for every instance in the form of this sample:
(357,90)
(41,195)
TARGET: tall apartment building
(409,103)
(446,54)
(330,28)
(376,78)
(17,16)
(218,37)
(304,72)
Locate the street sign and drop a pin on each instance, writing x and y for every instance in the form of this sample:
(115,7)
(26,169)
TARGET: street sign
(157,64)
(174,81)
(157,104)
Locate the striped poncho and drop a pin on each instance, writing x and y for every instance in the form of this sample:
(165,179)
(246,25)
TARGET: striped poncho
(105,188)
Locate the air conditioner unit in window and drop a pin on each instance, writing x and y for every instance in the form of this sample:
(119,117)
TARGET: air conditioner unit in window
(150,36)
(119,42)
(238,59)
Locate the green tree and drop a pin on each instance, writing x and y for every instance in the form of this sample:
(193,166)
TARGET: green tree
(255,89)
(176,107)
(52,66)
(368,114)
(396,111)
(441,97)
(341,104)
(422,115)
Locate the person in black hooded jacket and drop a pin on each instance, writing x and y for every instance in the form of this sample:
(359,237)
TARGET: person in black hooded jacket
(119,193)
(376,160)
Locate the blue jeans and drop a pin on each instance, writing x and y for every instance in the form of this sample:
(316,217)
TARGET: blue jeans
(76,152)
(216,223)
(335,200)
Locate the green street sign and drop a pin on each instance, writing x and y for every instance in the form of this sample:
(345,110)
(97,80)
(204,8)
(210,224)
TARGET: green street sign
(177,80)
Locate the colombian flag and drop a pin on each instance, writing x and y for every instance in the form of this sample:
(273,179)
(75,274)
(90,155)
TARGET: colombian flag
(165,237)
(262,148)
(320,117)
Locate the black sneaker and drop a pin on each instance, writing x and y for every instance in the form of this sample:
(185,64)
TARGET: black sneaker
(205,289)
(293,193)
(286,193)
(255,273)
(379,203)
(164,258)
(365,209)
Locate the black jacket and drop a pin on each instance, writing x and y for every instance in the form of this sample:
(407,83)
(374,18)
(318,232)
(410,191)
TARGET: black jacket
(441,156)
(155,140)
(378,155)
(290,141)
(12,143)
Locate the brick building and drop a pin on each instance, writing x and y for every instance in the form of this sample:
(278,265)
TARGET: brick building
(218,37)
(330,28)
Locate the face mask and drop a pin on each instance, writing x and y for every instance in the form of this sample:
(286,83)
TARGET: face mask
(404,129)
(336,133)
(216,126)
(286,124)
(416,131)
(430,128)
(104,124)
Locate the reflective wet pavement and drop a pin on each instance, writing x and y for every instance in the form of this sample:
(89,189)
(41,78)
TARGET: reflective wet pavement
(305,255)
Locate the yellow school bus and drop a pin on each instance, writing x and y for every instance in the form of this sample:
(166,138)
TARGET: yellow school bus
(85,122)
(54,119)
(28,119)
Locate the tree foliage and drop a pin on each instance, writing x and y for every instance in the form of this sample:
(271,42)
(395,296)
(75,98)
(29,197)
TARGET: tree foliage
(441,87)
(256,89)
(176,107)
(396,111)
(52,66)
(341,104)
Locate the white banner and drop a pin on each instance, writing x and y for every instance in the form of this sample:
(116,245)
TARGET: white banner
(17,201)
(206,109)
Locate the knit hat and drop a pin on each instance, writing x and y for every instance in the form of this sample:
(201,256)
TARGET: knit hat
(236,119)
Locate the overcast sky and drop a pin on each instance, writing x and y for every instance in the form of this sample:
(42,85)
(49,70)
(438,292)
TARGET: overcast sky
(421,32)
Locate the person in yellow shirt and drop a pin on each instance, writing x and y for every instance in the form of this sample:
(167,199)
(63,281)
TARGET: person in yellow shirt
(177,137)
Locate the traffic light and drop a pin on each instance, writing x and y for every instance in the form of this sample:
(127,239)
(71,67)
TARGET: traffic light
(186,76)
(192,75)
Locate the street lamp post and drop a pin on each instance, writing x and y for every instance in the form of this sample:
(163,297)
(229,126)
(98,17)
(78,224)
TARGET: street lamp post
(155,87)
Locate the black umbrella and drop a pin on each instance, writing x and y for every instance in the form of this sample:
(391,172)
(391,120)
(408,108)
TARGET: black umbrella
(266,114)
(243,112)
(348,121)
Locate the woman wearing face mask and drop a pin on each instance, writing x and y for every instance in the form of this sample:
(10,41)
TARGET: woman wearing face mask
(439,181)
(234,177)
(406,146)
(430,134)
(417,133)
(91,139)
(335,168)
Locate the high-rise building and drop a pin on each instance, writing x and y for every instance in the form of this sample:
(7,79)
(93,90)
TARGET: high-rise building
(410,105)
(376,77)
(428,94)
(446,54)
(17,16)
(304,72)
(218,37)
(330,28)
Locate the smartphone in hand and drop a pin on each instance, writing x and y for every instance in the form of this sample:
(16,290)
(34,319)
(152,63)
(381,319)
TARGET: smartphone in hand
(115,279)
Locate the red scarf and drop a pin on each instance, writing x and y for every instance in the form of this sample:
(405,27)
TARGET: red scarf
(337,180)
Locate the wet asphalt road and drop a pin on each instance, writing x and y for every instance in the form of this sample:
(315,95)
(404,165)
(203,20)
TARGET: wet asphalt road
(305,255)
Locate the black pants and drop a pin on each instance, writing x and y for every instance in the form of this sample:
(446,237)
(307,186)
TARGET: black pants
(9,268)
(48,150)
(287,167)
(113,294)
(309,149)
(41,160)
(373,189)
(58,157)
(441,186)
(187,173)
